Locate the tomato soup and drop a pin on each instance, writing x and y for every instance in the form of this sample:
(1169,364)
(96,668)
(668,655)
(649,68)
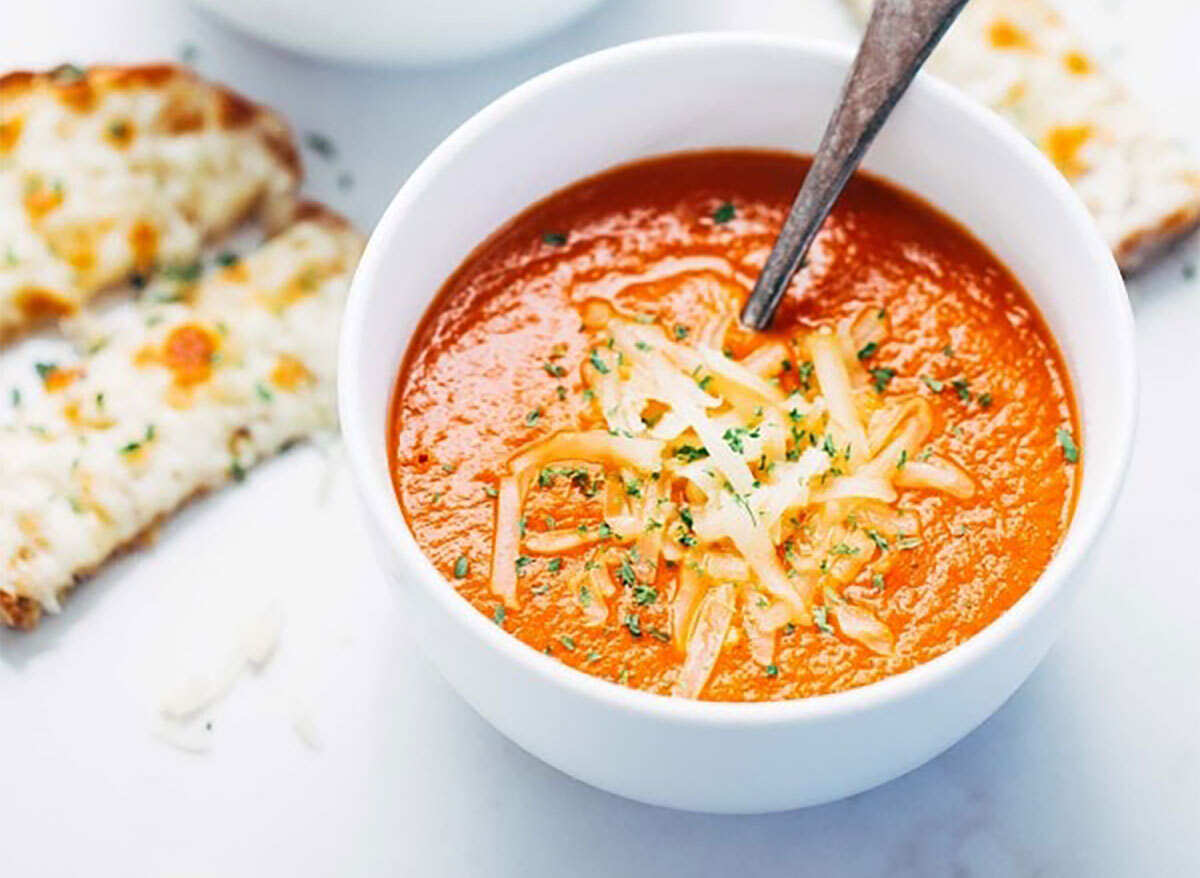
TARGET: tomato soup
(606,464)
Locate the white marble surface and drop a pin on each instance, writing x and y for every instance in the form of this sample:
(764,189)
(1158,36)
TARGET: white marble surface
(1090,770)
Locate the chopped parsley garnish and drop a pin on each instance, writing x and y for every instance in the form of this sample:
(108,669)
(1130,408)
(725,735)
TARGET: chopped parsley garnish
(984,400)
(962,388)
(644,595)
(633,488)
(882,378)
(1067,441)
(868,350)
(264,392)
(828,446)
(932,383)
(878,539)
(844,549)
(598,363)
(903,459)
(691,453)
(490,491)
(681,332)
(237,472)
(321,144)
(805,371)
(498,615)
(724,213)
(733,438)
(554,565)
(625,573)
(948,351)
(554,239)
(461,567)
(568,641)
(522,562)
(184,272)
(131,447)
(45,370)
(877,582)
(532,417)
(821,618)
(633,623)
(554,370)
(771,670)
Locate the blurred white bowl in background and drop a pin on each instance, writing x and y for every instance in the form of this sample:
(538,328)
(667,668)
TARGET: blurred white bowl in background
(398,31)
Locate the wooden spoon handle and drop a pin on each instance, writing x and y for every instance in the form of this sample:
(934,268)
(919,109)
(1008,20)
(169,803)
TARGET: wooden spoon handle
(899,37)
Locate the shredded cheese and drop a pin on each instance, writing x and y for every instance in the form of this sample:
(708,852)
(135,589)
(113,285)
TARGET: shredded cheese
(766,504)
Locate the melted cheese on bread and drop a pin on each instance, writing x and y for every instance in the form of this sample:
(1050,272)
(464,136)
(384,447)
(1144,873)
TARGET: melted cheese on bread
(111,172)
(1019,58)
(215,374)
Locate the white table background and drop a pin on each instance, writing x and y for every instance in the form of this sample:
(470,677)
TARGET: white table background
(1090,770)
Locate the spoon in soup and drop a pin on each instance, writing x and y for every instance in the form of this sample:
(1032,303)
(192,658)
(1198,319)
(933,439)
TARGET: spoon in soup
(899,37)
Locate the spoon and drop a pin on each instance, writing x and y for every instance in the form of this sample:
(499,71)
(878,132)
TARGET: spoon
(899,37)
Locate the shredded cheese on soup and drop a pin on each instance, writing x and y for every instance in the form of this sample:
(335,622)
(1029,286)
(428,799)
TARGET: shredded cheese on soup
(766,504)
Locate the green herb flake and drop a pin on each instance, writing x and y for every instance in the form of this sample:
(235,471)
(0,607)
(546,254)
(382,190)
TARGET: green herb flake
(644,595)
(984,400)
(499,614)
(532,417)
(462,567)
(724,213)
(805,372)
(878,539)
(882,377)
(633,623)
(1067,441)
(877,582)
(599,365)
(681,332)
(567,641)
(490,491)
(933,384)
(821,618)
(227,258)
(691,453)
(962,388)
(554,370)
(554,239)
(554,565)
(264,392)
(868,350)
(771,670)
(321,144)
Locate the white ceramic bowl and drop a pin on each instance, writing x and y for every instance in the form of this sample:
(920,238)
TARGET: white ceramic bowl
(398,31)
(700,91)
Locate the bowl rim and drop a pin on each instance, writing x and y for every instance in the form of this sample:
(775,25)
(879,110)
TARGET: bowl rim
(375,488)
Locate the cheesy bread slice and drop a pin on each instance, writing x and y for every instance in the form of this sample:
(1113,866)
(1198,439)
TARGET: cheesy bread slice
(1019,58)
(110,172)
(208,375)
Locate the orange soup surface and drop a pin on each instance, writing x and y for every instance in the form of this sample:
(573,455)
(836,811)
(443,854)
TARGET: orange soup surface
(604,462)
